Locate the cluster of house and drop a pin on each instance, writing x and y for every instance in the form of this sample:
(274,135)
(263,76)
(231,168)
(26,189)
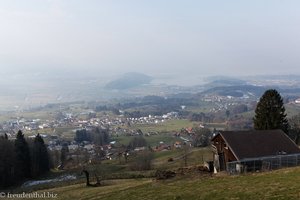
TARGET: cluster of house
(82,152)
(153,119)
(124,131)
(12,126)
(297,101)
(222,103)
(220,98)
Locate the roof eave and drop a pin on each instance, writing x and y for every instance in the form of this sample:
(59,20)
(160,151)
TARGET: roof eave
(229,146)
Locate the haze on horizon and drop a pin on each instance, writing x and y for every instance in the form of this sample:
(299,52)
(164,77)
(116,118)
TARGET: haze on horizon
(154,37)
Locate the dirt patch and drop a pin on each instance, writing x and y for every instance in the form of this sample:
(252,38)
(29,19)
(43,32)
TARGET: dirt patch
(191,170)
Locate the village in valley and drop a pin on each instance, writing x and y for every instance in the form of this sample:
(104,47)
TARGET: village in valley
(175,137)
(163,138)
(50,130)
(97,139)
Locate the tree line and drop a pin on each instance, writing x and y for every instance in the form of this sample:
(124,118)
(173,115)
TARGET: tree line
(22,159)
(148,105)
(97,135)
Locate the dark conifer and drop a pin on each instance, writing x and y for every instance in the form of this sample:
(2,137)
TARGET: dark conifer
(22,164)
(270,112)
(40,156)
(7,163)
(63,154)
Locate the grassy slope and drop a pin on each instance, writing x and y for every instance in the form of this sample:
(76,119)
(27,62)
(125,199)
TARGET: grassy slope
(281,184)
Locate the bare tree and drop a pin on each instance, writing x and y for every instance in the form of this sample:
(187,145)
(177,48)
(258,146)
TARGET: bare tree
(87,175)
(143,161)
(186,151)
(294,132)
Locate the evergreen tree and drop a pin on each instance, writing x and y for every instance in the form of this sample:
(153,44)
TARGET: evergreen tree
(22,163)
(100,136)
(7,163)
(270,112)
(40,158)
(63,154)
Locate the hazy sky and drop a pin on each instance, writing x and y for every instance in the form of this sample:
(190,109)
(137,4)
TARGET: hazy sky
(153,36)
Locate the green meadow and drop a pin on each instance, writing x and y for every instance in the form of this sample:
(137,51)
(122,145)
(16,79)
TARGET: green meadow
(280,184)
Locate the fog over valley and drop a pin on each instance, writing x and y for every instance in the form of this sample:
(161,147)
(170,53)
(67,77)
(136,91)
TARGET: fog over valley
(60,50)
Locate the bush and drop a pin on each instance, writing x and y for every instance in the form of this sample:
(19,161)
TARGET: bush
(164,174)
(137,142)
(143,161)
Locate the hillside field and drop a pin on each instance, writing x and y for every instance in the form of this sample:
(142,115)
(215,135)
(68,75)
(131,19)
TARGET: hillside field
(280,184)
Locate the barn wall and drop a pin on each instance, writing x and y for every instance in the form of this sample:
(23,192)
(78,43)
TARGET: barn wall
(222,152)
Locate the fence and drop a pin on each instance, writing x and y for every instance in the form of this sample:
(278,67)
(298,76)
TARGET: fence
(263,163)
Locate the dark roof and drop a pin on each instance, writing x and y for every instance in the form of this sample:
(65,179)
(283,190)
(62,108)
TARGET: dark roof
(259,143)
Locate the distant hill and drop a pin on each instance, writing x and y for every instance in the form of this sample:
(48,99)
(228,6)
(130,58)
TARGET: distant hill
(249,90)
(237,90)
(224,81)
(228,82)
(216,82)
(129,80)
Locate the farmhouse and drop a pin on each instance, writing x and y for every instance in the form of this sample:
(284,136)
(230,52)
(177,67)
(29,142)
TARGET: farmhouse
(238,151)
